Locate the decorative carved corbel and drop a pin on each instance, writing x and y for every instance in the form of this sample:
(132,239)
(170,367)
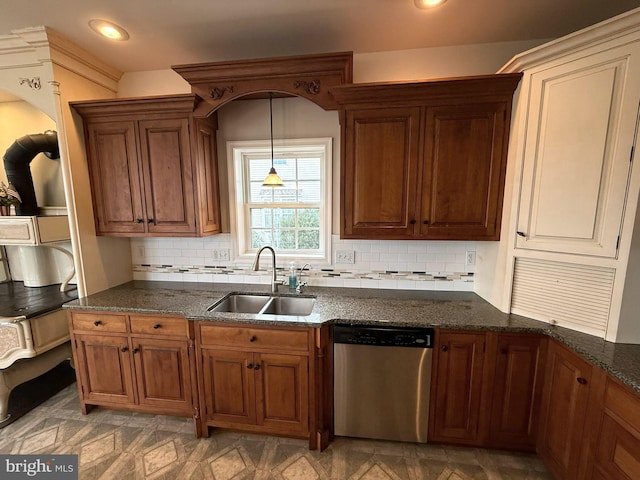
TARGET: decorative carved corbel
(218,92)
(312,87)
(33,83)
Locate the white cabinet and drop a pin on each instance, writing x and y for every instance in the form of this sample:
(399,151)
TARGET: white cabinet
(574,228)
(580,126)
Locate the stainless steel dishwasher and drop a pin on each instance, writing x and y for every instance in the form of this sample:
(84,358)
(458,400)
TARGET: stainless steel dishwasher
(382,379)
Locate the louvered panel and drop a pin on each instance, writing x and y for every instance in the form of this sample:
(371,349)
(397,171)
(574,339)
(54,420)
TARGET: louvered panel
(572,296)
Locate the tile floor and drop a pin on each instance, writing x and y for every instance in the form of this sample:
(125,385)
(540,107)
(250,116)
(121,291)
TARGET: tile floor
(121,445)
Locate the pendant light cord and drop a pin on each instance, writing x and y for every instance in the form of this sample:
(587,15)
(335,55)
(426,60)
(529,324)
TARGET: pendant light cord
(271,126)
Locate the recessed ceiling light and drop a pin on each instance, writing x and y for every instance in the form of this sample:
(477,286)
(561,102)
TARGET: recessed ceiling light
(109,30)
(428,3)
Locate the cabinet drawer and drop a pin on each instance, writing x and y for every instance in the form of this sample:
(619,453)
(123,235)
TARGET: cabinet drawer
(623,403)
(255,338)
(159,325)
(92,322)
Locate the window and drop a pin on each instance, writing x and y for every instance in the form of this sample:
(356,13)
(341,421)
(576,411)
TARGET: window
(294,219)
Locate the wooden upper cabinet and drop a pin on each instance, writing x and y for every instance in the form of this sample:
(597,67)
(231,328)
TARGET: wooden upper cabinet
(152,166)
(379,183)
(115,176)
(463,172)
(425,160)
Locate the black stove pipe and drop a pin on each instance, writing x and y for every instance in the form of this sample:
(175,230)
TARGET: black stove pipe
(16,164)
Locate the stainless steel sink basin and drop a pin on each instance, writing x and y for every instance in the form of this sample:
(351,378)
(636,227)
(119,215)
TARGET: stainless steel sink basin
(240,303)
(300,306)
(263,304)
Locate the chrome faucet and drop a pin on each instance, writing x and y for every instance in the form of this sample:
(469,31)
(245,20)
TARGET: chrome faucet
(256,266)
(302,284)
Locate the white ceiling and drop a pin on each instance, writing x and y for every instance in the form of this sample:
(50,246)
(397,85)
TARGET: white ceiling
(169,32)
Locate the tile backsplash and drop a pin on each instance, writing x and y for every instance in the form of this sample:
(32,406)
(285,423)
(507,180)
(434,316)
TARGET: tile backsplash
(411,265)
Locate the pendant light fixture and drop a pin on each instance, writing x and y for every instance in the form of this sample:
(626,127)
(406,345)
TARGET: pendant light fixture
(273,179)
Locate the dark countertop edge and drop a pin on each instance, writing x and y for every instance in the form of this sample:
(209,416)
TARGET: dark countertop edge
(600,354)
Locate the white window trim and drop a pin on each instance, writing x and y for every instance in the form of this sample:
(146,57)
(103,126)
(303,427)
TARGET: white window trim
(235,150)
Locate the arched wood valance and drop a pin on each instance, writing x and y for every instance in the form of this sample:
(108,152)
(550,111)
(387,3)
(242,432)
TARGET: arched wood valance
(307,76)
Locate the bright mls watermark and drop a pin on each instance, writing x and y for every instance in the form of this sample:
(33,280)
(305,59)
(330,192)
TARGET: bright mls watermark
(50,467)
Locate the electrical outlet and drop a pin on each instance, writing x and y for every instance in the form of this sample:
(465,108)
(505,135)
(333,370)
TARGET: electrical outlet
(139,251)
(221,254)
(471,258)
(345,256)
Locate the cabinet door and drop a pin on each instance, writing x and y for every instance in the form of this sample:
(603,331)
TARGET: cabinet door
(518,375)
(456,395)
(580,127)
(463,173)
(115,177)
(616,452)
(162,374)
(168,177)
(282,392)
(229,386)
(105,370)
(208,198)
(379,174)
(564,405)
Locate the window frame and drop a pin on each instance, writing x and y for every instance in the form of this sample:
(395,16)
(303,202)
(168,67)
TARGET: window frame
(237,169)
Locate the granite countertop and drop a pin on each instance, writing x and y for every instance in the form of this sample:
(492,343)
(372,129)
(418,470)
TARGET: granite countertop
(451,310)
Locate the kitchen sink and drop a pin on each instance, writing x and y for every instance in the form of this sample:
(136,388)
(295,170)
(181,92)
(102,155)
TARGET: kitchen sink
(300,306)
(263,304)
(239,303)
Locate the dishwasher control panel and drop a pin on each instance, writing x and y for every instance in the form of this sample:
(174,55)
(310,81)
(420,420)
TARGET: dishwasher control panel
(383,336)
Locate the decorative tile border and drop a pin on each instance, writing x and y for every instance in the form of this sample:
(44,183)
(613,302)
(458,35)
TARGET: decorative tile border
(314,277)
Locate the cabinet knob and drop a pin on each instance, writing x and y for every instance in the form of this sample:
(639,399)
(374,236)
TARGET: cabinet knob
(256,366)
(149,220)
(156,326)
(124,349)
(136,350)
(412,221)
(97,323)
(426,222)
(521,234)
(253,338)
(444,348)
(250,366)
(139,220)
(582,381)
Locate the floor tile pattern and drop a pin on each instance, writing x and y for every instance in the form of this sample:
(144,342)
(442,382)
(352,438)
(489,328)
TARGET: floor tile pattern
(123,446)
